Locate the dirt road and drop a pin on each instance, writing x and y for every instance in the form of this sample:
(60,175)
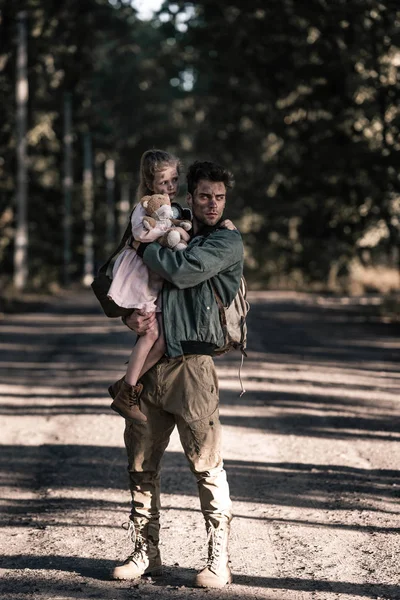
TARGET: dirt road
(312,455)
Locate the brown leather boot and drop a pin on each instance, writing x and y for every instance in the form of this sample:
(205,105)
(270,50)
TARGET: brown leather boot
(115,387)
(126,402)
(217,572)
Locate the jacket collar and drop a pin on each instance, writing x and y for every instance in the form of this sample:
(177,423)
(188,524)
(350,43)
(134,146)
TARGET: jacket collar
(205,230)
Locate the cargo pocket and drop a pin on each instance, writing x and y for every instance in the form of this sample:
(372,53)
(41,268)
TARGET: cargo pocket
(200,397)
(202,442)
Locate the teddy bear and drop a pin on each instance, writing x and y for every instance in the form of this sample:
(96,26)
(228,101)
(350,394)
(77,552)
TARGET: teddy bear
(159,213)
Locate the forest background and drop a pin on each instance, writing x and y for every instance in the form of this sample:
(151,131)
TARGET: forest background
(300,99)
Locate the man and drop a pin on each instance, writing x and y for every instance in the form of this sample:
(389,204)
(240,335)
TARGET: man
(182,388)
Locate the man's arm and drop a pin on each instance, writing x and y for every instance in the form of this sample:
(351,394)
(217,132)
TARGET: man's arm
(189,267)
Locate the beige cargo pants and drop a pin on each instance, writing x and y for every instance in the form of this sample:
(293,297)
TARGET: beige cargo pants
(183,392)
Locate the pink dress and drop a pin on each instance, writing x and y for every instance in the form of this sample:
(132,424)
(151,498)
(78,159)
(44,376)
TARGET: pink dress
(133,284)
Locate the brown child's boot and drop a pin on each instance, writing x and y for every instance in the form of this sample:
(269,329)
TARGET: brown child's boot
(126,402)
(114,388)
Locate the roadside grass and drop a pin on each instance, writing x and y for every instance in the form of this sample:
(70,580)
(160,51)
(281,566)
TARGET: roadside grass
(382,279)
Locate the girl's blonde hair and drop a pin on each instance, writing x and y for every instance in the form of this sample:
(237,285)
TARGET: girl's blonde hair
(152,161)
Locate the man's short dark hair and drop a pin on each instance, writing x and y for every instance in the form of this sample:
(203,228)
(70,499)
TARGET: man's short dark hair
(210,171)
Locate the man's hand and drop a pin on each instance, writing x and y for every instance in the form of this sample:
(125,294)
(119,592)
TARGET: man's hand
(140,322)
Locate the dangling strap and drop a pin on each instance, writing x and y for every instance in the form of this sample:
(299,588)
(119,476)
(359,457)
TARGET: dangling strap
(240,378)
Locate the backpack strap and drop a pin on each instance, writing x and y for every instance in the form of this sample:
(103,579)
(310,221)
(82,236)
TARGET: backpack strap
(221,309)
(124,239)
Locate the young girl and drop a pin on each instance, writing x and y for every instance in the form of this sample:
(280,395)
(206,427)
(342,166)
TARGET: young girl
(135,286)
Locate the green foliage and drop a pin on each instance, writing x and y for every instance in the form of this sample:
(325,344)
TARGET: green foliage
(300,99)
(105,58)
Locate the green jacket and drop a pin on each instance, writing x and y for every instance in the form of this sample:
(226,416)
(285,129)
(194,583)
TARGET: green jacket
(190,312)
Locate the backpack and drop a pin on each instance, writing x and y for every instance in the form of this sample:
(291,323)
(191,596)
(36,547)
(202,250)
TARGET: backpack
(233,320)
(102,281)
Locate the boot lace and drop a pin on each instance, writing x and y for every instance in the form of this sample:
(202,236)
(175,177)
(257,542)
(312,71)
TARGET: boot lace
(140,553)
(134,396)
(215,545)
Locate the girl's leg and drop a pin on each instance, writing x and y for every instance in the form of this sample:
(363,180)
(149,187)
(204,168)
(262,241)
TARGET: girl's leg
(147,351)
(157,350)
(140,355)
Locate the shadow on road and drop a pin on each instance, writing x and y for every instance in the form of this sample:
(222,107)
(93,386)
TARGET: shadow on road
(59,467)
(303,357)
(94,569)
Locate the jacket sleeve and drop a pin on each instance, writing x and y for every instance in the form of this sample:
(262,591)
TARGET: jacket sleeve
(193,265)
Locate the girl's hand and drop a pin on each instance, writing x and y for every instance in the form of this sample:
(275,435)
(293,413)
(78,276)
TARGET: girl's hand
(227,224)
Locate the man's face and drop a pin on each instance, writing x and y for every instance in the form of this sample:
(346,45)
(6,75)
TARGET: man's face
(208,201)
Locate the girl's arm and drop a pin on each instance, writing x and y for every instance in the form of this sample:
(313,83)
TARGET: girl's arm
(140,234)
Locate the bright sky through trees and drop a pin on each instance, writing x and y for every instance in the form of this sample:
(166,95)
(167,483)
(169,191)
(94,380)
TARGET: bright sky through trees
(146,8)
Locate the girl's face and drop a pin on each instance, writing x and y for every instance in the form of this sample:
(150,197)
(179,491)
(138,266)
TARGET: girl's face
(166,182)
